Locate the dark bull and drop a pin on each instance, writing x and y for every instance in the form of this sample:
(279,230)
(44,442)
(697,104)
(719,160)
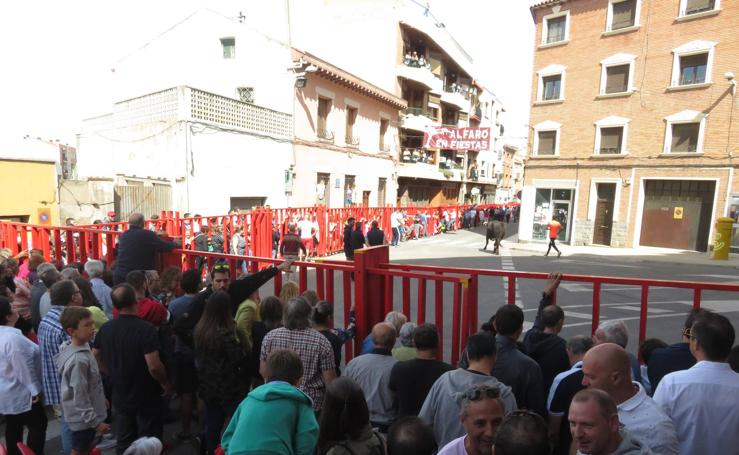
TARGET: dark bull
(495,232)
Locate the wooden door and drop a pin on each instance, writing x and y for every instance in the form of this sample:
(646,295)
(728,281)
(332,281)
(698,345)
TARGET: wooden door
(365,198)
(606,193)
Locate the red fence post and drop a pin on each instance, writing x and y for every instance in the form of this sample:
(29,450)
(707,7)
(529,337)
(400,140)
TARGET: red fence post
(511,289)
(439,315)
(456,310)
(421,301)
(643,313)
(465,312)
(407,297)
(697,298)
(368,305)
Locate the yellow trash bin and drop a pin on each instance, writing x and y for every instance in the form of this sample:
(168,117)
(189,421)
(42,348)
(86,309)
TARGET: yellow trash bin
(722,238)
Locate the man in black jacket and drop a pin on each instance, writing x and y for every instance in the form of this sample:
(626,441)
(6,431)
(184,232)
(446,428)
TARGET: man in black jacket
(375,236)
(137,248)
(542,342)
(348,249)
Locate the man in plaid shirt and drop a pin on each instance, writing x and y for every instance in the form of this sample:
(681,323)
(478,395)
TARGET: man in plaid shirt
(314,350)
(50,335)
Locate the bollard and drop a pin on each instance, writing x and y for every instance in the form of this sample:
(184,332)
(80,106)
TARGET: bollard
(722,238)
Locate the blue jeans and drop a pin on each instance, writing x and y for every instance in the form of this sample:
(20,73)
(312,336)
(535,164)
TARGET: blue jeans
(396,237)
(67,436)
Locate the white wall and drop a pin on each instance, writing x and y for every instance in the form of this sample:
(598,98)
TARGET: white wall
(526,221)
(191,54)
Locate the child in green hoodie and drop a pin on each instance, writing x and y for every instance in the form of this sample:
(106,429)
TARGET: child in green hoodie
(83,400)
(277,417)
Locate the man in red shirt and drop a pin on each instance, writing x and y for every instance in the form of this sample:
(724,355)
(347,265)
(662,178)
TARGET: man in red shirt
(554,227)
(148,309)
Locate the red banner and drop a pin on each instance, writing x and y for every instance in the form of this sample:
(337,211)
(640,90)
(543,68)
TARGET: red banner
(448,138)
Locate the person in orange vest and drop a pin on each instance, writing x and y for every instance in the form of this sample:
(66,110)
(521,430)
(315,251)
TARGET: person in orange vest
(553,228)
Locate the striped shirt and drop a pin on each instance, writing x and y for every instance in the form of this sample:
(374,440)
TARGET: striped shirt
(50,337)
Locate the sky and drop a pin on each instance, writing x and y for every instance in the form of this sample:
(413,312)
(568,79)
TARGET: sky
(57,56)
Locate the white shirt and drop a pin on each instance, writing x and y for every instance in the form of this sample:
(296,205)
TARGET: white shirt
(455,447)
(647,423)
(395,219)
(305,227)
(703,402)
(20,371)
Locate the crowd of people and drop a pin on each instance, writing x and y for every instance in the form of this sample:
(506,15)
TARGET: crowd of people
(109,358)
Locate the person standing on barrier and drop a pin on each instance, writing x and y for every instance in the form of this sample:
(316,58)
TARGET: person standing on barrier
(137,248)
(553,228)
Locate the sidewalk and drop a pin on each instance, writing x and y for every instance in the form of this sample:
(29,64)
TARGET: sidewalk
(641,254)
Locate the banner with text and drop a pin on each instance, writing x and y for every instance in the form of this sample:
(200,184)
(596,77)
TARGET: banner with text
(447,138)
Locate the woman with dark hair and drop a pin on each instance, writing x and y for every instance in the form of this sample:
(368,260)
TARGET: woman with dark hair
(323,314)
(221,365)
(20,384)
(344,425)
(270,311)
(91,302)
(169,282)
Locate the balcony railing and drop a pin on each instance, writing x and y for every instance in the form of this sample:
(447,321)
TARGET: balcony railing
(416,111)
(325,135)
(417,155)
(352,141)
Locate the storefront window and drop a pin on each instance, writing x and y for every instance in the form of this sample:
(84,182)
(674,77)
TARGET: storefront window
(552,202)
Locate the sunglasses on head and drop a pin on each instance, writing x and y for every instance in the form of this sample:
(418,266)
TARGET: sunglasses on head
(477,394)
(688,332)
(222,267)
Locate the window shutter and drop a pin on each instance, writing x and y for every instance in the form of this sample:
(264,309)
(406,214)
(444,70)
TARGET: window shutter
(624,14)
(610,139)
(617,79)
(547,142)
(435,64)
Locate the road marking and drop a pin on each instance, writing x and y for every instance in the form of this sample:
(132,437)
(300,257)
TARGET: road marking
(578,315)
(649,310)
(507,264)
(636,318)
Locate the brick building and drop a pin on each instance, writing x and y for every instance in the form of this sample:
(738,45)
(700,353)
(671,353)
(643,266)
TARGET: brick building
(633,129)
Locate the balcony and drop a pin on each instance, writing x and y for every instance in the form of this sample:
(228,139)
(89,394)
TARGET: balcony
(325,135)
(416,118)
(422,75)
(351,141)
(417,155)
(418,163)
(457,96)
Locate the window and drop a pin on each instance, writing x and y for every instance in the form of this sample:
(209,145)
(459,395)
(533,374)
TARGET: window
(684,132)
(693,69)
(690,7)
(555,28)
(617,74)
(610,136)
(351,118)
(546,139)
(692,63)
(623,14)
(229,47)
(324,108)
(551,83)
(384,123)
(547,143)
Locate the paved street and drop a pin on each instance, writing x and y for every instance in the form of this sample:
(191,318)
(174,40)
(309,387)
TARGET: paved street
(667,306)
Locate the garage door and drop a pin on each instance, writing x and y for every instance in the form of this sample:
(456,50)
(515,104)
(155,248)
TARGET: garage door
(677,213)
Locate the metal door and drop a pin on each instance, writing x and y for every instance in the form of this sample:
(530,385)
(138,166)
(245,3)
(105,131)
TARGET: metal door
(606,193)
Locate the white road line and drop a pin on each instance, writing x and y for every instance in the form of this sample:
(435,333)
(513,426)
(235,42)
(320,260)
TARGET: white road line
(636,318)
(638,308)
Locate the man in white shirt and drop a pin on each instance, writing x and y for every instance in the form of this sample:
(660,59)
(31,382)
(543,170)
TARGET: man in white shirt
(306,236)
(481,412)
(607,367)
(703,401)
(395,220)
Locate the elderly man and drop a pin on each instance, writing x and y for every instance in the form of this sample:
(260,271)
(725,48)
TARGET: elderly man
(314,350)
(396,319)
(410,436)
(406,350)
(522,433)
(372,372)
(514,368)
(137,248)
(617,332)
(39,289)
(703,401)
(595,427)
(481,412)
(441,407)
(94,270)
(607,367)
(564,387)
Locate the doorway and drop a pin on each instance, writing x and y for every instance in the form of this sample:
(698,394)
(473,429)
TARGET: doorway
(366,198)
(323,189)
(606,193)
